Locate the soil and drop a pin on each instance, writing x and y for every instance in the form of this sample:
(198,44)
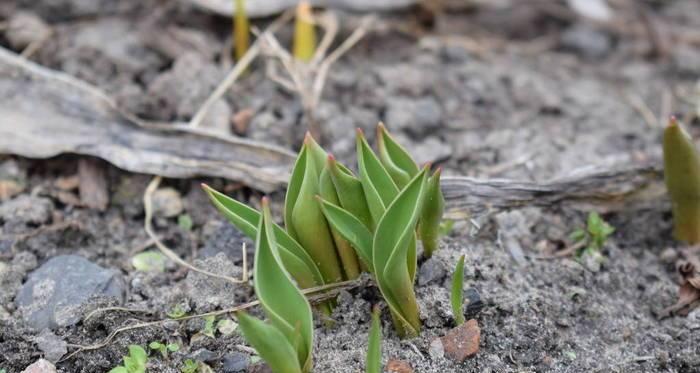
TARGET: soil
(527,92)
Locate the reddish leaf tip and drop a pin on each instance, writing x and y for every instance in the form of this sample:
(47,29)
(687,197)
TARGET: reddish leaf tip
(672,121)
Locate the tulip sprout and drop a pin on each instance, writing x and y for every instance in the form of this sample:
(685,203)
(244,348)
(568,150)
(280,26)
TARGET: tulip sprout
(456,296)
(241,30)
(374,346)
(338,224)
(304,33)
(682,174)
(286,342)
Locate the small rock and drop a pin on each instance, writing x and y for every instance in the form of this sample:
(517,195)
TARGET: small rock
(53,346)
(431,272)
(430,150)
(25,28)
(241,120)
(586,41)
(472,303)
(455,54)
(27,209)
(436,349)
(56,290)
(204,355)
(218,118)
(236,362)
(462,342)
(167,203)
(41,366)
(669,255)
(398,366)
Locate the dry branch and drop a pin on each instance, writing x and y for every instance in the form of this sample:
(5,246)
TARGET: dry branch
(44,113)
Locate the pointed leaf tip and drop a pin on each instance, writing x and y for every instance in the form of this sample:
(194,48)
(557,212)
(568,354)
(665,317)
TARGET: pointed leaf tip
(672,121)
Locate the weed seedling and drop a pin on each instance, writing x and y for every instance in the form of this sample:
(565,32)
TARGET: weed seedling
(209,326)
(164,349)
(190,366)
(593,238)
(135,362)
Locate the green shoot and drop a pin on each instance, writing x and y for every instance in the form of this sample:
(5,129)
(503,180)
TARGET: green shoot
(135,362)
(241,30)
(177,312)
(163,348)
(594,236)
(374,348)
(304,33)
(682,175)
(286,342)
(185,222)
(456,293)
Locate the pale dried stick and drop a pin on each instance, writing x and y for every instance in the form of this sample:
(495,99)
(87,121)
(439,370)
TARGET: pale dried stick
(148,207)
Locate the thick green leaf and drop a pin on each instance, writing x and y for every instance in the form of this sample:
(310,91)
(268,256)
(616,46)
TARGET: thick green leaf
(296,260)
(270,344)
(283,303)
(456,298)
(374,348)
(682,174)
(293,188)
(429,227)
(351,229)
(390,249)
(348,258)
(350,192)
(311,227)
(395,158)
(380,190)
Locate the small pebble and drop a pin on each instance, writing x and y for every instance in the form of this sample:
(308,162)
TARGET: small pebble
(41,366)
(462,342)
(398,366)
(236,362)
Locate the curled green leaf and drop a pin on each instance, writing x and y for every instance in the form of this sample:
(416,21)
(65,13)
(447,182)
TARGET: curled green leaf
(351,229)
(390,249)
(285,306)
(429,227)
(395,158)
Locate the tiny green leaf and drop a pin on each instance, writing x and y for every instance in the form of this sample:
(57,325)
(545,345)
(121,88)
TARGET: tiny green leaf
(374,348)
(209,329)
(682,175)
(456,297)
(185,222)
(149,261)
(226,326)
(350,193)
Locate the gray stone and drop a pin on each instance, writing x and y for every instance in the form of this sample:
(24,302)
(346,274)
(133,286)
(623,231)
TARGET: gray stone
(472,303)
(27,209)
(56,290)
(455,54)
(586,41)
(40,366)
(53,346)
(236,362)
(204,355)
(417,116)
(432,149)
(24,28)
(431,272)
(167,203)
